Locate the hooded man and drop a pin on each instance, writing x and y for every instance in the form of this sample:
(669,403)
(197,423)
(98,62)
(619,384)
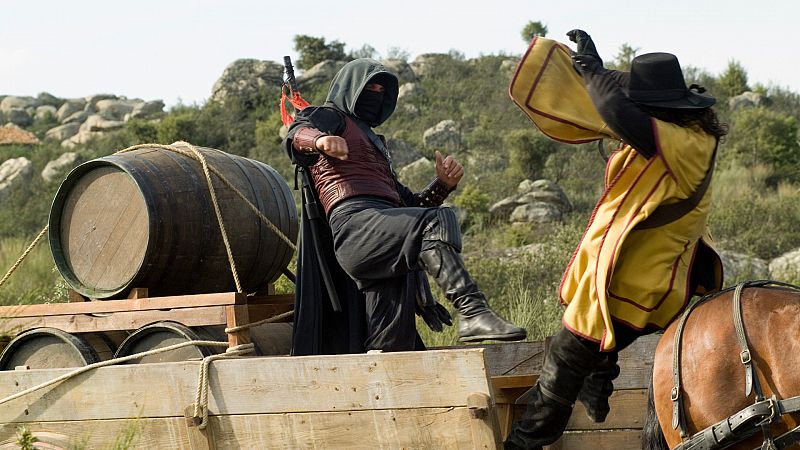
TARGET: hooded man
(381,235)
(645,251)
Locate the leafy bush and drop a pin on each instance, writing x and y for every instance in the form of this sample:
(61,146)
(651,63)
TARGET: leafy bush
(750,217)
(762,136)
(313,50)
(529,152)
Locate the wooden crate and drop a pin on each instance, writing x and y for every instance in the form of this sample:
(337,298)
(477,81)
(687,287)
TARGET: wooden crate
(514,368)
(432,399)
(79,316)
(312,408)
(623,426)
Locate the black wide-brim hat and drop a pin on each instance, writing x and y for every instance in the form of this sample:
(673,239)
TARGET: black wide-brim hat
(656,79)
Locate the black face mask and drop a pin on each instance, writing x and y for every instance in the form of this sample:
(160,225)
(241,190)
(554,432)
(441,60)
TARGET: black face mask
(369,106)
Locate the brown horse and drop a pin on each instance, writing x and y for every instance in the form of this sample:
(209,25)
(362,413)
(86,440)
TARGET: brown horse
(712,384)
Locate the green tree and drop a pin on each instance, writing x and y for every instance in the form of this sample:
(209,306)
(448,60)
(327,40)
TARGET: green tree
(313,50)
(529,152)
(533,29)
(764,136)
(733,81)
(366,51)
(623,58)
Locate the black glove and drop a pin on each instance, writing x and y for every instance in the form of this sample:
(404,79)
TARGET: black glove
(585,44)
(432,312)
(435,316)
(585,59)
(586,63)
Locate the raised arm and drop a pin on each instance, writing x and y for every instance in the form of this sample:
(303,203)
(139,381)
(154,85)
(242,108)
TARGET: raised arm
(607,91)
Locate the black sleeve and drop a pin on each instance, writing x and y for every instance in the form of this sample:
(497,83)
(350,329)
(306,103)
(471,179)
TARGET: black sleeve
(623,116)
(408,197)
(323,119)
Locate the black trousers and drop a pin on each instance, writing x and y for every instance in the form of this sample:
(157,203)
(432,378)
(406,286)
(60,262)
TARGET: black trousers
(623,334)
(378,245)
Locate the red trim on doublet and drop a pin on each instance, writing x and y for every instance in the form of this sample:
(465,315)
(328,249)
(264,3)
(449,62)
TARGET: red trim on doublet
(666,293)
(589,225)
(527,105)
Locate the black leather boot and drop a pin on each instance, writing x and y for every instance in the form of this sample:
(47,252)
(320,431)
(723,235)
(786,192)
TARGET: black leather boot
(476,321)
(565,366)
(598,387)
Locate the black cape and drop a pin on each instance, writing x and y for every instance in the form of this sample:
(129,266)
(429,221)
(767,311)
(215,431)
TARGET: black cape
(318,329)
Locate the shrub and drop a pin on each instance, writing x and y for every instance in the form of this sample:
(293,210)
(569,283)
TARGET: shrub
(749,217)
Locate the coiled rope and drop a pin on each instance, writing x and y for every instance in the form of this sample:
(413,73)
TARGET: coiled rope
(201,398)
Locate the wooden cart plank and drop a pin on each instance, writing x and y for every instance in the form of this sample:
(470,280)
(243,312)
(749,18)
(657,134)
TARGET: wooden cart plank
(275,299)
(252,385)
(599,440)
(441,428)
(109,306)
(511,358)
(124,320)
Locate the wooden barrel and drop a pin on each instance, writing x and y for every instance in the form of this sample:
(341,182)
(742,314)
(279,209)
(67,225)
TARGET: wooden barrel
(47,348)
(164,334)
(145,219)
(272,339)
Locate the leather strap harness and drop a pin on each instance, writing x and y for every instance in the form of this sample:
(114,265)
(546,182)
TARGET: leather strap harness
(747,422)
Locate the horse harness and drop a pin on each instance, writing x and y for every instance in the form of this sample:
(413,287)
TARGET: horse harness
(747,422)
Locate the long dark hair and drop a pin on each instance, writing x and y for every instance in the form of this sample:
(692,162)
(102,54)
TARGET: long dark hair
(704,118)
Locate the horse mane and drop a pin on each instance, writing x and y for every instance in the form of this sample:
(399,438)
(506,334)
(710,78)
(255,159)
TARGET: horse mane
(652,436)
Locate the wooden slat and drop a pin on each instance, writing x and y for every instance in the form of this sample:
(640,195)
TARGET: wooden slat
(418,428)
(260,312)
(198,439)
(275,299)
(252,385)
(236,316)
(599,440)
(512,358)
(109,306)
(636,363)
(126,320)
(513,381)
(628,408)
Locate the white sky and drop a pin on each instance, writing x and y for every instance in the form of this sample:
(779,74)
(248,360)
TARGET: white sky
(176,49)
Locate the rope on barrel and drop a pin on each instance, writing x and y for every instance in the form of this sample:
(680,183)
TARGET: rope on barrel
(195,154)
(207,170)
(227,184)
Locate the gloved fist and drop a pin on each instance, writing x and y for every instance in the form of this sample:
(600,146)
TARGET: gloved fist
(435,316)
(578,36)
(584,64)
(585,44)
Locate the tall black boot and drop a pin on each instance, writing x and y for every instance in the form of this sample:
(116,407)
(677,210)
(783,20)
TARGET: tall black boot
(598,387)
(476,321)
(566,365)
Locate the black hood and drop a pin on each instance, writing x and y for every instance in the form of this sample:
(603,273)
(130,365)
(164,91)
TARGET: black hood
(350,81)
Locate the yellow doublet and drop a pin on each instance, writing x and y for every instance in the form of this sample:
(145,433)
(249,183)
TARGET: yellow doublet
(639,277)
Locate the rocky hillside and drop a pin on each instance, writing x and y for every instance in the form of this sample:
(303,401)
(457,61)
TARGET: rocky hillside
(521,188)
(75,120)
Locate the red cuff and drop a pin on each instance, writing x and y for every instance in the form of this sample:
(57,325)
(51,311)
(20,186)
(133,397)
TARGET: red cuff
(305,140)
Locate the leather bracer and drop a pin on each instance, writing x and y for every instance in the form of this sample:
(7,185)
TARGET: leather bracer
(305,140)
(434,194)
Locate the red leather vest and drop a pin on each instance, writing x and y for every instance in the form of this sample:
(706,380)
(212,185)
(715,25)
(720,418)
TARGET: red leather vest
(365,171)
